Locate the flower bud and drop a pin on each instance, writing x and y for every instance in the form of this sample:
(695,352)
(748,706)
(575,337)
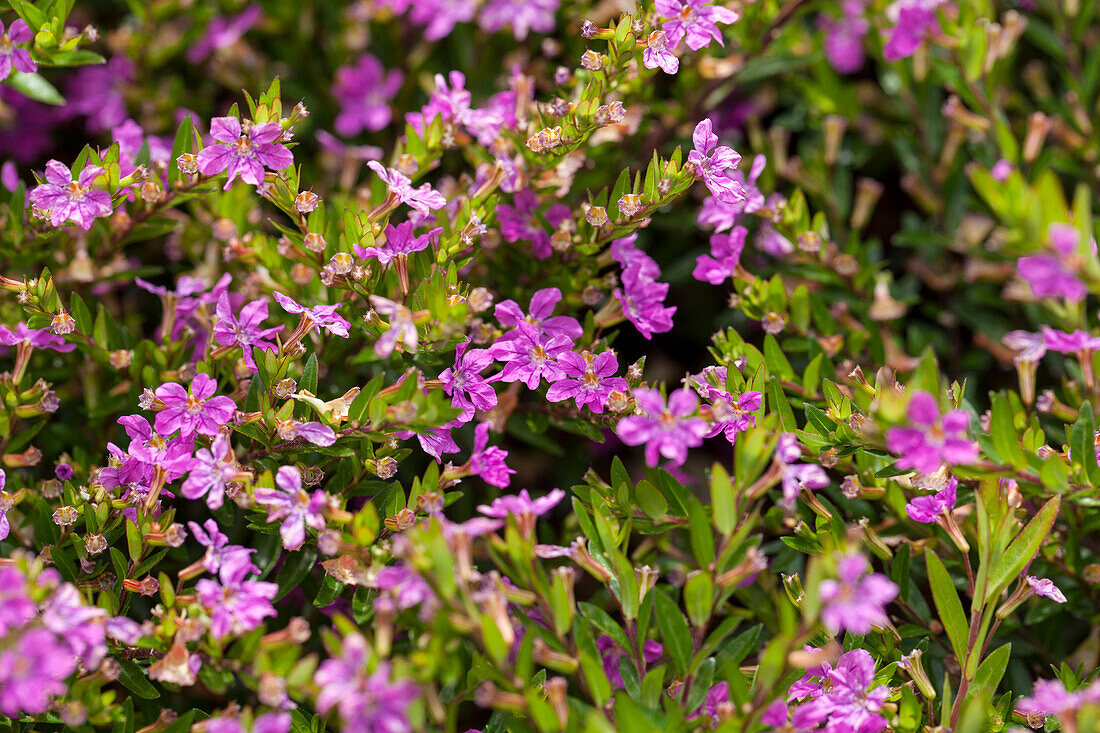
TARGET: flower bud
(314,242)
(630,204)
(188,163)
(592,60)
(306,202)
(62,324)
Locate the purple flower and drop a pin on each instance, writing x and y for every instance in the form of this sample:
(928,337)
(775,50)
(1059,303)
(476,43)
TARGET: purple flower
(223,33)
(155,449)
(522,16)
(423,199)
(927,508)
(529,356)
(641,295)
(524,221)
(245,330)
(932,442)
(436,442)
(271,722)
(32,670)
(711,162)
(1050,697)
(914,19)
(717,695)
(1001,170)
(294,506)
(236,605)
(611,655)
(463,381)
(488,462)
(244,155)
(5,505)
(724,257)
(400,242)
(733,415)
(847,701)
(69,200)
(197,412)
(856,601)
(218,550)
(36,338)
(364,90)
(322,316)
(844,37)
(98,93)
(1045,587)
(666,431)
(797,476)
(20,58)
(540,315)
(365,703)
(402,327)
(1069,343)
(521,506)
(210,473)
(405,589)
(313,432)
(657,54)
(440,16)
(695,20)
(587,379)
(1031,347)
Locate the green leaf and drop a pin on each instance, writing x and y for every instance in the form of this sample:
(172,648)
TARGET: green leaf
(699,598)
(1005,439)
(992,670)
(1082,450)
(297,566)
(309,376)
(133,678)
(723,505)
(702,537)
(775,360)
(36,87)
(948,604)
(1022,549)
(674,630)
(34,17)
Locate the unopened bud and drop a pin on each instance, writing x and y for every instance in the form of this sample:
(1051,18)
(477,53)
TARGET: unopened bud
(306,202)
(630,204)
(188,163)
(314,242)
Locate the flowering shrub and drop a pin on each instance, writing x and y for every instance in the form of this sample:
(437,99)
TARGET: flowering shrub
(549,365)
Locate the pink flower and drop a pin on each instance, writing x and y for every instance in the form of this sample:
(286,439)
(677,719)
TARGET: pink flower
(666,431)
(224,32)
(1050,697)
(36,338)
(529,356)
(844,37)
(540,315)
(657,54)
(366,703)
(245,330)
(236,605)
(66,199)
(856,601)
(1045,587)
(322,316)
(294,506)
(587,379)
(244,155)
(522,16)
(488,462)
(400,242)
(364,91)
(197,412)
(932,442)
(611,655)
(642,296)
(711,162)
(524,221)
(724,257)
(210,472)
(695,20)
(522,506)
(423,199)
(402,327)
(10,56)
(5,505)
(915,18)
(797,476)
(927,508)
(463,381)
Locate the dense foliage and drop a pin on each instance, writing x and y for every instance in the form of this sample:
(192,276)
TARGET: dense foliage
(549,365)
